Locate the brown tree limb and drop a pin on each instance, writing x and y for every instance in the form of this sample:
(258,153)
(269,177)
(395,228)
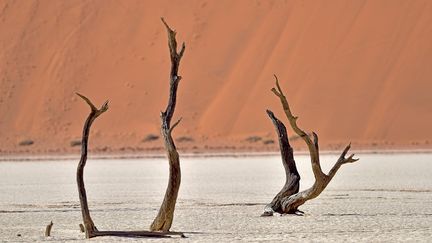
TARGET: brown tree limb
(165,216)
(342,160)
(290,204)
(90,228)
(316,166)
(292,181)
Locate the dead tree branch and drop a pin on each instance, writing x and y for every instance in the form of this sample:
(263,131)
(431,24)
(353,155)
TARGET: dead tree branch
(313,151)
(292,182)
(164,218)
(290,203)
(90,228)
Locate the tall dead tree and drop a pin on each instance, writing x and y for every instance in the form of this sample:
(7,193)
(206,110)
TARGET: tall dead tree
(289,199)
(89,227)
(164,218)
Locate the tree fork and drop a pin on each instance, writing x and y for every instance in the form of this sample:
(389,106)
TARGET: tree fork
(89,226)
(164,218)
(290,203)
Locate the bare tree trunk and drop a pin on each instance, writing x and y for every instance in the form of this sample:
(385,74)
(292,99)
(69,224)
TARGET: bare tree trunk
(163,220)
(292,182)
(290,203)
(90,228)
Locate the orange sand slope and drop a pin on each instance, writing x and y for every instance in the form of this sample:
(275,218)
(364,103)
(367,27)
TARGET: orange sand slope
(352,70)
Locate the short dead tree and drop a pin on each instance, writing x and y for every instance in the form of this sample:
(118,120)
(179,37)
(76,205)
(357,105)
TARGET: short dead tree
(289,198)
(88,224)
(165,216)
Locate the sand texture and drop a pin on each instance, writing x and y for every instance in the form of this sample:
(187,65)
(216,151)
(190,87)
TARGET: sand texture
(381,198)
(352,70)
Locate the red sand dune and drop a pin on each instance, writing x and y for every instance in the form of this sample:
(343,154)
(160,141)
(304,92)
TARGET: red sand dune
(352,70)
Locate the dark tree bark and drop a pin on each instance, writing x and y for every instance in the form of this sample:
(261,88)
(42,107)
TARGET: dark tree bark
(292,182)
(164,218)
(290,203)
(88,226)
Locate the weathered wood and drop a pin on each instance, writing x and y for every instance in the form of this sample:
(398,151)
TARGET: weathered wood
(292,182)
(290,204)
(48,229)
(89,226)
(165,216)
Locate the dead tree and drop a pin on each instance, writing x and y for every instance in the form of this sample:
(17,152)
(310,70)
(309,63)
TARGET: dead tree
(89,227)
(289,199)
(164,218)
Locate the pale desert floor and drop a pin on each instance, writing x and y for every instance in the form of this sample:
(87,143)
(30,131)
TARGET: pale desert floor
(380,198)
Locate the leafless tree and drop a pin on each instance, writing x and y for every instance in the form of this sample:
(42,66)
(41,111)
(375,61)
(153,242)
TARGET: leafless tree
(289,198)
(164,218)
(89,226)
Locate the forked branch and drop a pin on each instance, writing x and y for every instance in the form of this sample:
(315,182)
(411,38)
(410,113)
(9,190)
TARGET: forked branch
(89,226)
(289,203)
(342,160)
